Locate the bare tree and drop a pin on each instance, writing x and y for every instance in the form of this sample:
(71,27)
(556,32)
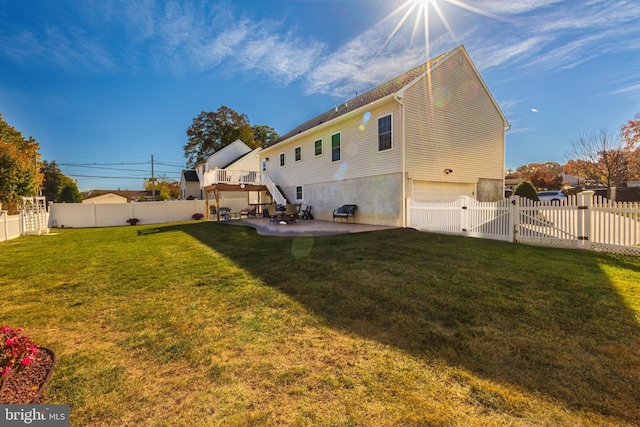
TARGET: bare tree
(599,157)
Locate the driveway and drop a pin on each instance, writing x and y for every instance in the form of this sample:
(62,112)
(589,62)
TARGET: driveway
(304,228)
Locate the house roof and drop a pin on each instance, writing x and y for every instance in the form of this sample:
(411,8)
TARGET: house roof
(190,176)
(223,150)
(129,194)
(385,89)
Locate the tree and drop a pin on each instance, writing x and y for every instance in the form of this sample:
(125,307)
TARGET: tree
(165,190)
(543,176)
(19,169)
(264,136)
(630,134)
(212,131)
(600,157)
(53,180)
(526,189)
(69,192)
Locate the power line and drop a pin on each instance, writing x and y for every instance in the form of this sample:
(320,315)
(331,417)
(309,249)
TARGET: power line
(103,167)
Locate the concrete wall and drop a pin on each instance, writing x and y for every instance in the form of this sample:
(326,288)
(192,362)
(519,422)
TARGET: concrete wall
(78,215)
(371,194)
(490,190)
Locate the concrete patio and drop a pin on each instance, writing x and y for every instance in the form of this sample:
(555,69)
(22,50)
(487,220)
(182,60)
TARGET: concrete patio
(304,227)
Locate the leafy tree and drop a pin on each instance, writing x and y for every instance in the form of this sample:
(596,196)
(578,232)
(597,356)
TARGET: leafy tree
(599,157)
(69,192)
(547,176)
(526,189)
(19,170)
(264,136)
(212,131)
(630,133)
(165,190)
(53,180)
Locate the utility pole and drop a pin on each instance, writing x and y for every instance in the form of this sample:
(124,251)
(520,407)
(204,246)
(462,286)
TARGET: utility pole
(153,181)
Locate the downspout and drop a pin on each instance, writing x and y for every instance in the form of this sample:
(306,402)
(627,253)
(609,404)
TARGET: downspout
(398,96)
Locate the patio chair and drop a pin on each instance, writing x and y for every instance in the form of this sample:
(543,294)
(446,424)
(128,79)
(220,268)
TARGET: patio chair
(306,213)
(273,213)
(291,213)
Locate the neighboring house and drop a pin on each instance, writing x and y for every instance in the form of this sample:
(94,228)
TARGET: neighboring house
(190,186)
(434,133)
(119,196)
(106,198)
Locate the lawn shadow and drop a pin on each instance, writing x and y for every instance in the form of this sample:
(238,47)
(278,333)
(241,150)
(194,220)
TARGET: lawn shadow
(544,320)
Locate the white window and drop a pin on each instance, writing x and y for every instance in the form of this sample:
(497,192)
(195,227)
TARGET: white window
(298,154)
(281,160)
(299,193)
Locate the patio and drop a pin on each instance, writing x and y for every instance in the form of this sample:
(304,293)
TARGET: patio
(304,227)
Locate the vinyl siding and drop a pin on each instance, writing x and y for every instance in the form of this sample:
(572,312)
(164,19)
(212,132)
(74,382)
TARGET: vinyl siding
(451,122)
(359,150)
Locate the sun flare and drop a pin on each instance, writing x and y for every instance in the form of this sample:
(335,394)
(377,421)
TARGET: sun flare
(422,9)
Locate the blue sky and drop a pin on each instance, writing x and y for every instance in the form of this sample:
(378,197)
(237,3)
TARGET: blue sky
(108,83)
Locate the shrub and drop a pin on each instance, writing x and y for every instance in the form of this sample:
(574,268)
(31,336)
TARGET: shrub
(16,350)
(197,216)
(133,221)
(526,189)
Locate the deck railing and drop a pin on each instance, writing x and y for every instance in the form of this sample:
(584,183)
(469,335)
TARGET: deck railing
(233,177)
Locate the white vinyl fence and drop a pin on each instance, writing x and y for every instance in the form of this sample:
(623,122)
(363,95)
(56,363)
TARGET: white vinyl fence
(584,222)
(9,226)
(78,215)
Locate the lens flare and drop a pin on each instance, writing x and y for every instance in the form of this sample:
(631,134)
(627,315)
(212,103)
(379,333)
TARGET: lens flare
(365,119)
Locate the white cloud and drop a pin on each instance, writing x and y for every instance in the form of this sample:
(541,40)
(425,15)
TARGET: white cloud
(513,7)
(627,89)
(534,110)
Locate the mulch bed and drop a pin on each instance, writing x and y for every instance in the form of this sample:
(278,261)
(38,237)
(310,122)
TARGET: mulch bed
(25,386)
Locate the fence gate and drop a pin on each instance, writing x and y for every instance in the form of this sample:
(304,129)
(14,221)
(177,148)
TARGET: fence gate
(464,216)
(487,220)
(560,225)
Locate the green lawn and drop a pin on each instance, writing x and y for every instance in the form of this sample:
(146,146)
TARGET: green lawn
(202,323)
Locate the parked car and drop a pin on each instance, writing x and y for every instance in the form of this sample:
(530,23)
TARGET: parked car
(552,196)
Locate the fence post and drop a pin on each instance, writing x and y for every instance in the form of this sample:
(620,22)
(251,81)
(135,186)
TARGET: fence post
(514,215)
(4,215)
(408,204)
(585,211)
(464,214)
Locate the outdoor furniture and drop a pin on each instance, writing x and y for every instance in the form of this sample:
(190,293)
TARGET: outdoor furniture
(290,213)
(306,213)
(345,211)
(272,212)
(225,213)
(249,211)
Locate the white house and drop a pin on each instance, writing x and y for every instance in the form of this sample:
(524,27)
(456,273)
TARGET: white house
(432,133)
(234,168)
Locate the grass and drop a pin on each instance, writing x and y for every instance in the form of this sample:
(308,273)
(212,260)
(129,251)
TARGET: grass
(202,324)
